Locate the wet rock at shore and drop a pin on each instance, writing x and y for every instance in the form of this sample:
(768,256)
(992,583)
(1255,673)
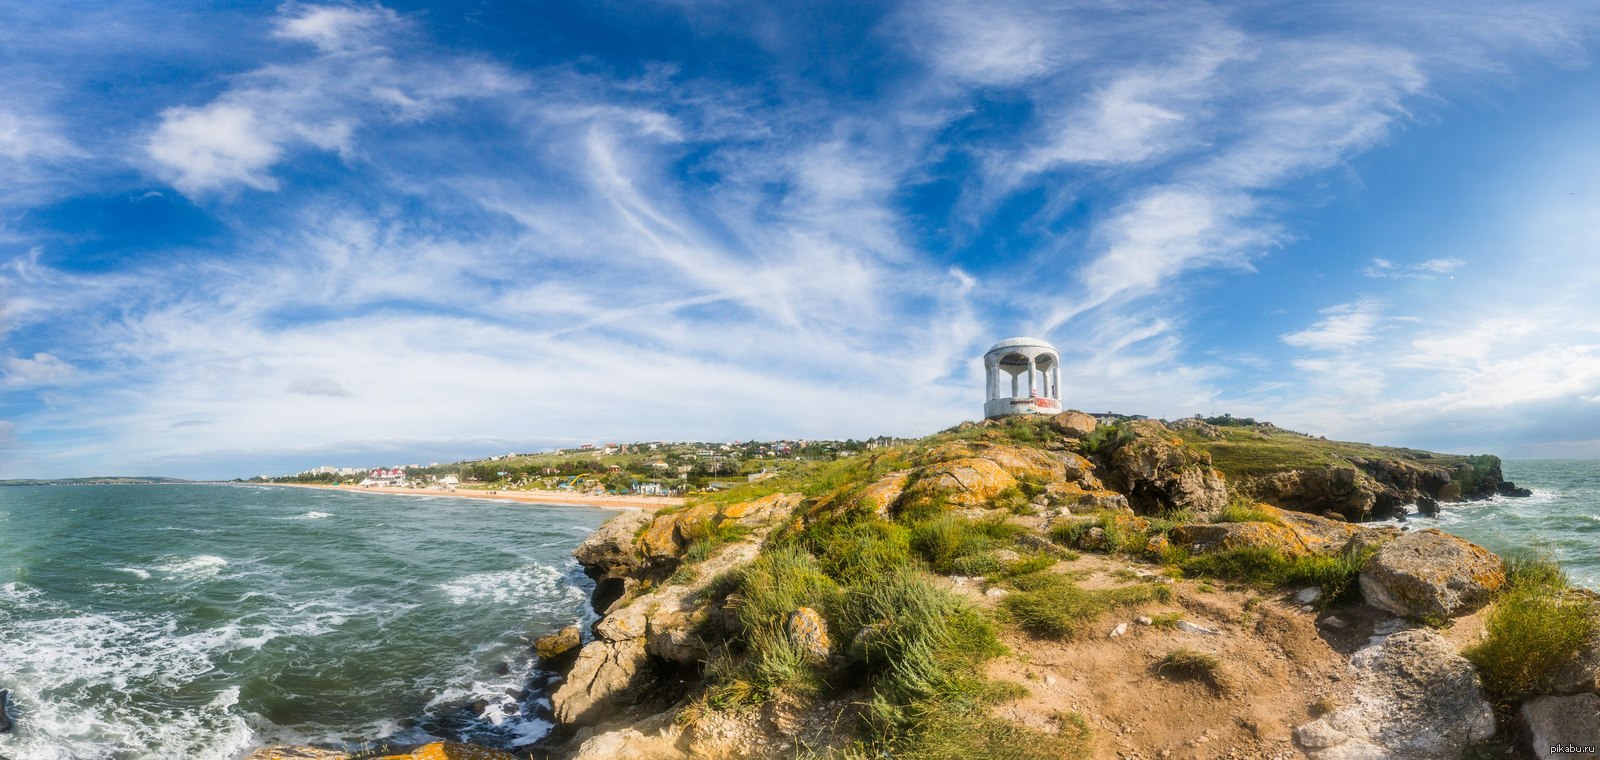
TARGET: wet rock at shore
(1414,698)
(561,642)
(1432,576)
(6,723)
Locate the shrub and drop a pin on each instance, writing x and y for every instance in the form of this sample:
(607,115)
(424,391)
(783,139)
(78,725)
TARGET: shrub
(947,539)
(775,584)
(861,551)
(1050,604)
(1535,627)
(1335,574)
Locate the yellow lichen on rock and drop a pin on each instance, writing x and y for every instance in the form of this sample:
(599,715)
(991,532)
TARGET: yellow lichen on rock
(452,751)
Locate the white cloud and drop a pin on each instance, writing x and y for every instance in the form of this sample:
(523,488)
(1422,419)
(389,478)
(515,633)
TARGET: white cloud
(320,102)
(41,370)
(214,146)
(1424,270)
(338,29)
(1343,327)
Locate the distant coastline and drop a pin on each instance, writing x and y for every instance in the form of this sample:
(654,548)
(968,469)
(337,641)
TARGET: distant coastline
(525,497)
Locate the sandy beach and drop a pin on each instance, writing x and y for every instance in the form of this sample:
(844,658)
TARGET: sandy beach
(527,497)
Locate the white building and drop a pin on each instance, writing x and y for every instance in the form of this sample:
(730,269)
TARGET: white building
(1033,369)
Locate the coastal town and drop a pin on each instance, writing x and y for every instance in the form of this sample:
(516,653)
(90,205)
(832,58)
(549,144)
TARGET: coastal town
(646,469)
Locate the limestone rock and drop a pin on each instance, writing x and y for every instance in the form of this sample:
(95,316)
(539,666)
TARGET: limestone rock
(1207,538)
(1159,473)
(1075,498)
(1559,722)
(1430,575)
(632,744)
(452,751)
(967,482)
(1317,534)
(559,643)
(809,632)
(669,534)
(609,552)
(881,496)
(758,513)
(605,671)
(1581,673)
(1073,424)
(1414,698)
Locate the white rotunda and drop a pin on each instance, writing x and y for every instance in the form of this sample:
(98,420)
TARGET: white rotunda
(1034,369)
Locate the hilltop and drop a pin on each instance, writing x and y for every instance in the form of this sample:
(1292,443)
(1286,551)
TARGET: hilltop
(1055,588)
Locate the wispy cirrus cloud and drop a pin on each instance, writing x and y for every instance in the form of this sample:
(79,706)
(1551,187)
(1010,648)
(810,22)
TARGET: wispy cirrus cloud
(750,241)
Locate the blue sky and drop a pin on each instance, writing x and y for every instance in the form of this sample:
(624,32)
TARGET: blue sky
(241,238)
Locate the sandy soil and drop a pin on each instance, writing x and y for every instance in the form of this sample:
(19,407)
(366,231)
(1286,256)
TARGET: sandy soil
(1280,667)
(526,497)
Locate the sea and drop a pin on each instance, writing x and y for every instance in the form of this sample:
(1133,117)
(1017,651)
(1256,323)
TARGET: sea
(1561,520)
(201,621)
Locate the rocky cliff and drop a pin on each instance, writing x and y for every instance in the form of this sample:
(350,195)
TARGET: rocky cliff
(934,601)
(1052,588)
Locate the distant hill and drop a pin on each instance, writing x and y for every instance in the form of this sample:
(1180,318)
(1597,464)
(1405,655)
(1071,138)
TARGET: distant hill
(118,480)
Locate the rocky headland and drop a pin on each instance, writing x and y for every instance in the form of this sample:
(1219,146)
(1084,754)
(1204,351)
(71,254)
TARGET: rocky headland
(1053,588)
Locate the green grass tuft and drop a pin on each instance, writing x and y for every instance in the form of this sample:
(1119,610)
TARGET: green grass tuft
(1536,626)
(1051,605)
(1244,510)
(954,544)
(1188,663)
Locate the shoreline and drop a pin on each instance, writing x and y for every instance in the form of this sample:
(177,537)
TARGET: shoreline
(558,498)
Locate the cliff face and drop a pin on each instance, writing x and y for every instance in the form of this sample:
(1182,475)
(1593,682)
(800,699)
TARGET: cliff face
(868,606)
(1352,480)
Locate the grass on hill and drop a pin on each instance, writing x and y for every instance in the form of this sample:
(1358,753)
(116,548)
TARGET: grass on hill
(1050,604)
(1243,452)
(1536,626)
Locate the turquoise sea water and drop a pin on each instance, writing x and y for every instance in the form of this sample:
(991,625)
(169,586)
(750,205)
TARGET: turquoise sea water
(199,621)
(1561,518)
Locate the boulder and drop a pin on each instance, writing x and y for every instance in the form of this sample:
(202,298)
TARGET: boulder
(1582,673)
(809,632)
(1159,473)
(609,552)
(1208,538)
(6,723)
(1432,576)
(1317,534)
(1075,498)
(881,496)
(965,482)
(1561,725)
(669,534)
(605,672)
(1073,424)
(1414,698)
(632,744)
(559,643)
(452,751)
